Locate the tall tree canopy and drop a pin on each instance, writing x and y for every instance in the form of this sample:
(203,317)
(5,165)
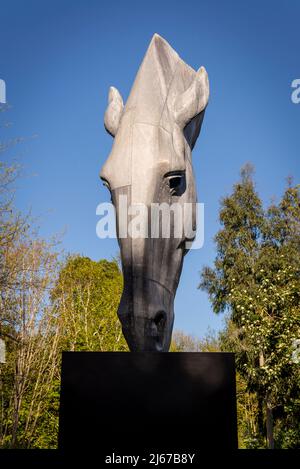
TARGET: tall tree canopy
(87,296)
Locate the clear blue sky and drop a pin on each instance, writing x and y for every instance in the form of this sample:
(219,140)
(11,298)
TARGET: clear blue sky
(59,57)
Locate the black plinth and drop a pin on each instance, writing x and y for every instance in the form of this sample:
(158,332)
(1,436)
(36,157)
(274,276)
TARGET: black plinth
(113,401)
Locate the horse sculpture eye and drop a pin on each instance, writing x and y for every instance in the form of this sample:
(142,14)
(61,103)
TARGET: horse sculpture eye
(177,183)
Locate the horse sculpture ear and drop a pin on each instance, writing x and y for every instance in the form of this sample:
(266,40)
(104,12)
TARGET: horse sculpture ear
(188,106)
(113,112)
(193,101)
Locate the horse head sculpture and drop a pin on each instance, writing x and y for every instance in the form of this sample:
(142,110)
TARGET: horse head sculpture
(150,165)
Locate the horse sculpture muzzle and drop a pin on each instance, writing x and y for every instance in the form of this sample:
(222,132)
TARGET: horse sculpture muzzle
(150,166)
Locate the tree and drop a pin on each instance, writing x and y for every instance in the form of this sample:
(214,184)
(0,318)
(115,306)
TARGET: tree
(27,320)
(256,278)
(87,296)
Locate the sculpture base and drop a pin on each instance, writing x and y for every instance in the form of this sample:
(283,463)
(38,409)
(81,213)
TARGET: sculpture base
(161,402)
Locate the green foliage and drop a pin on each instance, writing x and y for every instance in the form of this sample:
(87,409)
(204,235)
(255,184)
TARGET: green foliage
(87,296)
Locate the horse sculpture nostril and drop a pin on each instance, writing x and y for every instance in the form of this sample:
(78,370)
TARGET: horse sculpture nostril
(160,321)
